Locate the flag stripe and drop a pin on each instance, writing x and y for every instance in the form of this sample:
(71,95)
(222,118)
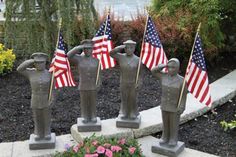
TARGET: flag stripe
(196,75)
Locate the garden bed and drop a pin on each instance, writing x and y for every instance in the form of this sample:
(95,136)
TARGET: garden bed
(206,134)
(16,121)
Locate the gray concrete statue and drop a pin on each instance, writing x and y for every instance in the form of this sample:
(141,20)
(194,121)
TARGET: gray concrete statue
(88,68)
(40,78)
(171,83)
(129,116)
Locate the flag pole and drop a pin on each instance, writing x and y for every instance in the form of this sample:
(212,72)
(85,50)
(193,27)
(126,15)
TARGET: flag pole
(141,54)
(184,83)
(53,72)
(99,65)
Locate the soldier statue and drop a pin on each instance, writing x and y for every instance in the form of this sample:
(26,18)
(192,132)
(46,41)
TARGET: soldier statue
(39,77)
(171,83)
(129,116)
(88,68)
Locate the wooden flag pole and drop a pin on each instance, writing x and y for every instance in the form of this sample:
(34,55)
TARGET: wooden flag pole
(141,54)
(184,83)
(53,72)
(99,65)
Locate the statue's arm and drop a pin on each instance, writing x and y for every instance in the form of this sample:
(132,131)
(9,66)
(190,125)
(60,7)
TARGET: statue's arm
(183,100)
(22,68)
(114,53)
(140,77)
(72,53)
(157,71)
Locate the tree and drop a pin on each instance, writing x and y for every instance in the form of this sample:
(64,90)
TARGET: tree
(189,13)
(32,25)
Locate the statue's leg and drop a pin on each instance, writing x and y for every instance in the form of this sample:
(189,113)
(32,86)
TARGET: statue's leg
(132,105)
(47,123)
(165,128)
(92,108)
(124,100)
(83,105)
(174,128)
(38,124)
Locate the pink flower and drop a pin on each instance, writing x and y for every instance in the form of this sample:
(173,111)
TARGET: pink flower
(95,143)
(67,146)
(132,150)
(108,153)
(122,141)
(76,148)
(107,145)
(100,150)
(87,149)
(91,155)
(116,148)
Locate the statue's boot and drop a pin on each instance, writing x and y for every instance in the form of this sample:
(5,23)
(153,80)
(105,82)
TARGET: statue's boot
(166,128)
(38,124)
(174,128)
(47,123)
(163,139)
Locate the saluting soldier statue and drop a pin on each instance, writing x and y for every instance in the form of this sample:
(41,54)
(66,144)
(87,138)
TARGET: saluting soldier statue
(171,83)
(40,78)
(129,116)
(88,68)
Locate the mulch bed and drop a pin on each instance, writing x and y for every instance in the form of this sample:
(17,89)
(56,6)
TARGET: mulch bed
(16,117)
(206,134)
(15,94)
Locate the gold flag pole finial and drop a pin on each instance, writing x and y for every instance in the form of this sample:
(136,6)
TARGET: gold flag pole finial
(199,27)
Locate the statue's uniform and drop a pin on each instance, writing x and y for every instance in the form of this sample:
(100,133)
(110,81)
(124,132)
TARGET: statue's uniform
(128,72)
(88,67)
(171,89)
(40,84)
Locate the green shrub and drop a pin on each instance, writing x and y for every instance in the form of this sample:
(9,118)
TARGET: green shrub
(7,58)
(228,125)
(101,147)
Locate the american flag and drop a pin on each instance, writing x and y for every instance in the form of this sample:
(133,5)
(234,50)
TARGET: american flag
(152,52)
(196,76)
(61,66)
(103,45)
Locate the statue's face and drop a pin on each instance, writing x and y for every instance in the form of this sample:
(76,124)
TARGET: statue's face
(40,65)
(129,49)
(173,68)
(88,51)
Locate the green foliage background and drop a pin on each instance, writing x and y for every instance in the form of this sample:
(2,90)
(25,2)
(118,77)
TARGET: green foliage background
(32,25)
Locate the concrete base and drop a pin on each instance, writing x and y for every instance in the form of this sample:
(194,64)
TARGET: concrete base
(128,123)
(87,127)
(168,151)
(42,144)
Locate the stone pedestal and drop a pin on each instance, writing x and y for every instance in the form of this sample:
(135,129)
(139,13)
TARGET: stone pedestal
(164,149)
(42,144)
(128,123)
(88,127)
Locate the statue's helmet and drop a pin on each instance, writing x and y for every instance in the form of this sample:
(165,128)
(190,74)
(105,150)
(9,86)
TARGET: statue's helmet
(175,61)
(87,43)
(39,57)
(129,42)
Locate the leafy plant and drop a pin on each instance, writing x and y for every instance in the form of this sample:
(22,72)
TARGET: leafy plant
(103,147)
(187,14)
(7,58)
(228,125)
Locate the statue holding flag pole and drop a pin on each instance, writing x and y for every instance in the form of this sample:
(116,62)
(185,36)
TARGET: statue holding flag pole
(195,81)
(88,87)
(129,116)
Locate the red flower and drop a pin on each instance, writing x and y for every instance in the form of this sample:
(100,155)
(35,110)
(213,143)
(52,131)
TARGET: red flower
(108,153)
(132,150)
(100,150)
(116,148)
(122,141)
(91,155)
